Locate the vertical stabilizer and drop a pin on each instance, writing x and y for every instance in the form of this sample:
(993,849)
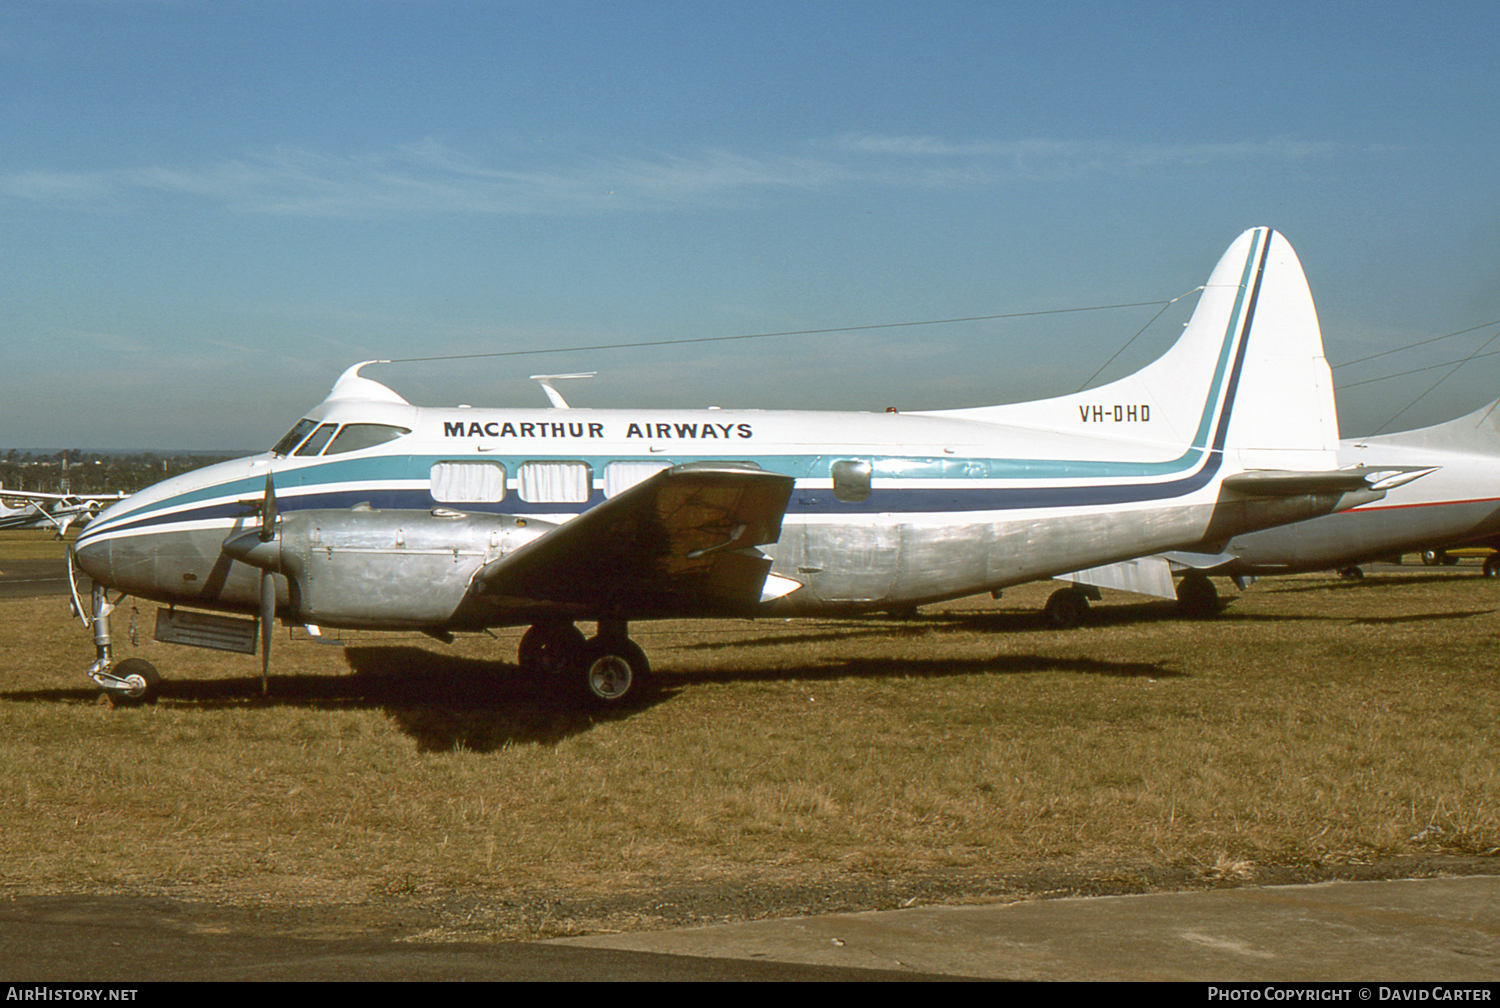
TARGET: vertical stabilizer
(1247,376)
(1477,432)
(1284,416)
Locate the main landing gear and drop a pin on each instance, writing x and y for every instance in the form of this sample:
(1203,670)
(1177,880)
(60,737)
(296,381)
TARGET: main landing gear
(602,671)
(1066,608)
(1197,598)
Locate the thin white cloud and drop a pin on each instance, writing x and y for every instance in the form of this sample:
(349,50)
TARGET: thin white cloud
(431,178)
(1098,154)
(39,185)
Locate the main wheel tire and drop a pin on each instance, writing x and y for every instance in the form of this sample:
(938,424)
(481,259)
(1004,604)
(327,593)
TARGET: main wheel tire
(608,672)
(549,648)
(1434,558)
(1491,566)
(143,683)
(1197,598)
(1066,608)
(1351,574)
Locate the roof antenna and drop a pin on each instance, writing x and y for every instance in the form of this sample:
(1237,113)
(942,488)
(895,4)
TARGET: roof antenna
(558,402)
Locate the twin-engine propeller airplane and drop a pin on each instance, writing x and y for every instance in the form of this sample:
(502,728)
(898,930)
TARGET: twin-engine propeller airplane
(1458,503)
(49,510)
(374,513)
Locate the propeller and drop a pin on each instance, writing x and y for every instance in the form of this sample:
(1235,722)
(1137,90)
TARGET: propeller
(267,533)
(267,626)
(260,549)
(268,511)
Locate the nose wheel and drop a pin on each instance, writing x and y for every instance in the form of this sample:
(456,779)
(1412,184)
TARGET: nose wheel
(131,683)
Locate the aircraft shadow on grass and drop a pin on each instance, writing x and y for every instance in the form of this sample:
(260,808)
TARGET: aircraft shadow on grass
(1376,583)
(445,702)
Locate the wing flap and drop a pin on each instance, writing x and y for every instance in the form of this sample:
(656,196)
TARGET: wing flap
(682,540)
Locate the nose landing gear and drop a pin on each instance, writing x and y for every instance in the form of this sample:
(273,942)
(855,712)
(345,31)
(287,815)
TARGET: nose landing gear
(133,681)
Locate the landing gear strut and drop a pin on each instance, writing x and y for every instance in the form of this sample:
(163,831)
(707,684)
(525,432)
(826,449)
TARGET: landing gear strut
(603,671)
(133,681)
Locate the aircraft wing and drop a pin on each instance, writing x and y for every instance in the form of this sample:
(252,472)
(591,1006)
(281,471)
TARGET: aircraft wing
(682,540)
(37,495)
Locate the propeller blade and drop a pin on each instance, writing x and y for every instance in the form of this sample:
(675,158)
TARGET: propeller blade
(268,512)
(267,626)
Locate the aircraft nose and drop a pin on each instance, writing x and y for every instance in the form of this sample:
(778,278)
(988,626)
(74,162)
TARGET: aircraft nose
(94,560)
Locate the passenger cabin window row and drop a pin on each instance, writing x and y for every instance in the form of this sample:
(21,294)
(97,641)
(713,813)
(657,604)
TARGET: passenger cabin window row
(541,482)
(559,482)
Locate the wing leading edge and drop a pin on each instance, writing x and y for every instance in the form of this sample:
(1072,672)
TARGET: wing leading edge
(682,541)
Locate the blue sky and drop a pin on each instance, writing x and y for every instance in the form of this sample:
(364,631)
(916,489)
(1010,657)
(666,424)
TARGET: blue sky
(211,207)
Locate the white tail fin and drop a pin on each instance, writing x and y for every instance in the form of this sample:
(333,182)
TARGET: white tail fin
(1247,376)
(1477,432)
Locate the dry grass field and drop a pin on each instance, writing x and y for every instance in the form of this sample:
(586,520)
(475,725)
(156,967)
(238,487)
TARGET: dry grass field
(782,766)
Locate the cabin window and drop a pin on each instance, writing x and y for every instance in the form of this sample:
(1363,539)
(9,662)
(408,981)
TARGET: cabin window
(554,482)
(320,437)
(364,435)
(293,437)
(621,476)
(851,479)
(467,482)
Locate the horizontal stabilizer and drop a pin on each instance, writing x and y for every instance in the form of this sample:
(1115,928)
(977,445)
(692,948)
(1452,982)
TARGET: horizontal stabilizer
(1284,483)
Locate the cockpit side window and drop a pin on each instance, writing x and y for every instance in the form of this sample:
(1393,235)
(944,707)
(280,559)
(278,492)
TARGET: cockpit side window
(320,437)
(293,437)
(364,435)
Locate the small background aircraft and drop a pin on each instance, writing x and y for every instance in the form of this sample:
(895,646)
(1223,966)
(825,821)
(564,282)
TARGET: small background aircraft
(27,509)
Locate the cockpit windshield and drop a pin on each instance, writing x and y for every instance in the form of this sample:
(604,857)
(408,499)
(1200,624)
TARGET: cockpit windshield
(320,437)
(293,437)
(355,436)
(351,437)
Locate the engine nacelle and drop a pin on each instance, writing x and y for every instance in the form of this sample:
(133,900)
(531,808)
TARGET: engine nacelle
(367,567)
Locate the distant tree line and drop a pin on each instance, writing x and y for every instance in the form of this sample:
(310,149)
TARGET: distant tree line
(93,472)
